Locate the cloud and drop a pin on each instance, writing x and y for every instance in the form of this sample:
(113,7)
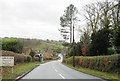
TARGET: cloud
(34,18)
(24,11)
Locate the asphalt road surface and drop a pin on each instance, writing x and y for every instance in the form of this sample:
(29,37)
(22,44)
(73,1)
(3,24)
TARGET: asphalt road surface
(56,70)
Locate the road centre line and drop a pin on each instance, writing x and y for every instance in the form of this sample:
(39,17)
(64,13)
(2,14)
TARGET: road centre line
(56,70)
(58,73)
(62,76)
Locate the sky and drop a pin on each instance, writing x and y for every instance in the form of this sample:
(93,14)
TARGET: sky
(35,18)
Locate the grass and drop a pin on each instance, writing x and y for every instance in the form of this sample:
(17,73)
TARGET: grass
(19,69)
(112,76)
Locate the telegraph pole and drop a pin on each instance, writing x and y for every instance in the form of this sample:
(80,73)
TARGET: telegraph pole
(73,47)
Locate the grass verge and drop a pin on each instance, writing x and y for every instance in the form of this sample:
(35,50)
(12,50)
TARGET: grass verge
(19,69)
(104,75)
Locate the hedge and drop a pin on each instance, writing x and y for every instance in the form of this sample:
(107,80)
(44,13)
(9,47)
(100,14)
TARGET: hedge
(110,63)
(12,44)
(18,58)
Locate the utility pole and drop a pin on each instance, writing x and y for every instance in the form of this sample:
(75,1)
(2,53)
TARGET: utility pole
(73,47)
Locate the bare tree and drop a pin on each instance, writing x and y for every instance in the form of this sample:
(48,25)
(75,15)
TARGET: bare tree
(98,15)
(116,25)
(92,15)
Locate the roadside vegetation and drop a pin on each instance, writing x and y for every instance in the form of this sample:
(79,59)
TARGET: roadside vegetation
(19,69)
(104,75)
(103,66)
(24,51)
(108,63)
(98,49)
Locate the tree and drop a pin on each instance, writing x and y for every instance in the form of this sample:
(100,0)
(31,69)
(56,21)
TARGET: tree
(100,42)
(67,21)
(116,26)
(92,14)
(78,49)
(12,44)
(98,19)
(85,40)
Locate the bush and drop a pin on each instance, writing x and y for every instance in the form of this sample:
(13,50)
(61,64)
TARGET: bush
(36,59)
(108,63)
(32,53)
(111,51)
(18,58)
(12,44)
(29,58)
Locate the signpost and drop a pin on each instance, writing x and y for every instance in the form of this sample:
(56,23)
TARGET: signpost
(7,61)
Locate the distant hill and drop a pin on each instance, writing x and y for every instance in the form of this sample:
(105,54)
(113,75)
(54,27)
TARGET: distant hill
(38,44)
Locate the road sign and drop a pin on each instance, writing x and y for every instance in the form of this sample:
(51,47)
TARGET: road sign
(6,61)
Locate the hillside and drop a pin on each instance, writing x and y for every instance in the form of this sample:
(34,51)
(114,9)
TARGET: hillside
(38,44)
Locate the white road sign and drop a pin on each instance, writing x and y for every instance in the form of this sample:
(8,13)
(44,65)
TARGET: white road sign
(6,61)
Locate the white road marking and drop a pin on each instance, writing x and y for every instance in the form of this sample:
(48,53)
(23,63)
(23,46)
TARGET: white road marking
(62,76)
(56,70)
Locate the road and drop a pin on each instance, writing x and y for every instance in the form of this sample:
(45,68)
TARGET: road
(56,70)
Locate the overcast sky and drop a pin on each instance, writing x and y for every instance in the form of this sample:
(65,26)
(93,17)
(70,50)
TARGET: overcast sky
(34,18)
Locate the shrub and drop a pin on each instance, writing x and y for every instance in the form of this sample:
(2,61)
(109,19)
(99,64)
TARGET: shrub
(108,63)
(111,51)
(36,59)
(12,44)
(29,58)
(18,58)
(32,53)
